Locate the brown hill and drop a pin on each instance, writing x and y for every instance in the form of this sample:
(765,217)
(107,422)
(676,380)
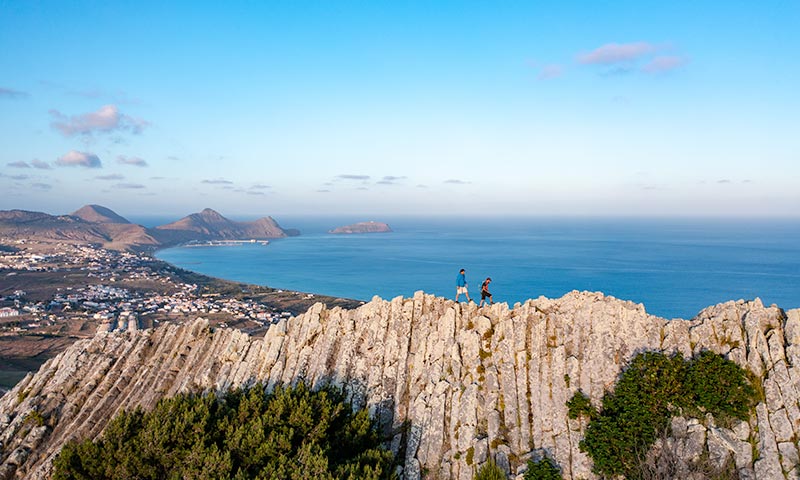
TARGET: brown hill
(97,224)
(210,225)
(98,214)
(38,225)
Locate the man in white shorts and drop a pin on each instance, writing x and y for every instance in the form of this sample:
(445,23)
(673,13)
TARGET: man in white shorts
(461,285)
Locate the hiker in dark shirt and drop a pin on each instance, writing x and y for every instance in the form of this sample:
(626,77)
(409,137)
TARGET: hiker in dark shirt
(485,292)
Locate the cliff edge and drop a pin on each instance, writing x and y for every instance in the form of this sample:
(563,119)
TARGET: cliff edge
(452,384)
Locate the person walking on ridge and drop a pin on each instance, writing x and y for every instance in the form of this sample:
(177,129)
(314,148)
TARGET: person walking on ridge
(461,285)
(485,292)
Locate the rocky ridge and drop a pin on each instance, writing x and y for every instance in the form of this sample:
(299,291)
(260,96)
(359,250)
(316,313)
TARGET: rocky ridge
(451,384)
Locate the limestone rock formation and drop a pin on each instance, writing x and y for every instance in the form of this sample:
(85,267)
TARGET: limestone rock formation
(451,384)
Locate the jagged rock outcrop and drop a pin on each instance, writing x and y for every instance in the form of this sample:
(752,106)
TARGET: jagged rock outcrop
(452,383)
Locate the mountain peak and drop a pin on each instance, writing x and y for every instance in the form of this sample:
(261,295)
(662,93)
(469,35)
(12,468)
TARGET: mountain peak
(98,214)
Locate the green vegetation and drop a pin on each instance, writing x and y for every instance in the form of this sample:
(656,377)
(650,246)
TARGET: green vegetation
(490,471)
(580,405)
(544,469)
(651,390)
(291,433)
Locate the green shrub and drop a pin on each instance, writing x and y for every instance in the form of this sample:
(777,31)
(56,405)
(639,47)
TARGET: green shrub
(490,471)
(730,394)
(650,391)
(580,405)
(544,469)
(291,433)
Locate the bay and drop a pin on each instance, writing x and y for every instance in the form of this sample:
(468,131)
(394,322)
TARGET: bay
(675,267)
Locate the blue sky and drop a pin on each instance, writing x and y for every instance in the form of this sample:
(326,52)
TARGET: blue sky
(638,108)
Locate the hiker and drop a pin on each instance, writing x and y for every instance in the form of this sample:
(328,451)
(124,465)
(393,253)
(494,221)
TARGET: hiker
(485,292)
(461,285)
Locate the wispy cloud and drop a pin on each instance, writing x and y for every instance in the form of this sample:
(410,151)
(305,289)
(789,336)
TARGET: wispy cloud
(612,53)
(723,181)
(663,64)
(390,180)
(455,181)
(79,159)
(322,190)
(106,119)
(112,176)
(130,186)
(157,178)
(11,93)
(40,164)
(42,186)
(422,186)
(549,72)
(19,164)
(135,161)
(353,177)
(260,186)
(217,181)
(255,193)
(18,177)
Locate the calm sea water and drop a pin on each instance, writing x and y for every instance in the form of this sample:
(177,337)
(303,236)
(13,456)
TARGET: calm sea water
(674,267)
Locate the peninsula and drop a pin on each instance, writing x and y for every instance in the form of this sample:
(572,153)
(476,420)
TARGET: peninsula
(100,225)
(362,227)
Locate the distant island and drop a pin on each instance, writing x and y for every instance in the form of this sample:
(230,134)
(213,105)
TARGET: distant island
(100,225)
(362,227)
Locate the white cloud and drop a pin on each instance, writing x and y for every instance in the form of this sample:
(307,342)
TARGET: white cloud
(353,177)
(40,164)
(11,93)
(663,64)
(113,176)
(79,159)
(612,53)
(135,161)
(106,119)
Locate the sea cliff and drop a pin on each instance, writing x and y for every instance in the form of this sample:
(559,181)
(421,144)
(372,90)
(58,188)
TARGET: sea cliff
(452,384)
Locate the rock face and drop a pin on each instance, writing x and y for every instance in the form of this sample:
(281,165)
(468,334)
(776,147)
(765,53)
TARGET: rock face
(362,227)
(451,384)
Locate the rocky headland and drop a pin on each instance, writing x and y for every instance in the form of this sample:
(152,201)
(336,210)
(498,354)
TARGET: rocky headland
(452,385)
(362,227)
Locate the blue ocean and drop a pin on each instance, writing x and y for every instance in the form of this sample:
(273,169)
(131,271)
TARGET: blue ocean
(675,267)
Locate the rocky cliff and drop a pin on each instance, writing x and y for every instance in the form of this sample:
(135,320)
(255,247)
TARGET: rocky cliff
(453,383)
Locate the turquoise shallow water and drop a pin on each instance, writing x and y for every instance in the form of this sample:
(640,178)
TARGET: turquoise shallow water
(674,267)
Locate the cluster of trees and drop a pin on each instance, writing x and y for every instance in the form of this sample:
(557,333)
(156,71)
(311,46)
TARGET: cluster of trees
(289,433)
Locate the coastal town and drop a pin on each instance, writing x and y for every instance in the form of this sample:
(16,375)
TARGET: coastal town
(55,293)
(124,291)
